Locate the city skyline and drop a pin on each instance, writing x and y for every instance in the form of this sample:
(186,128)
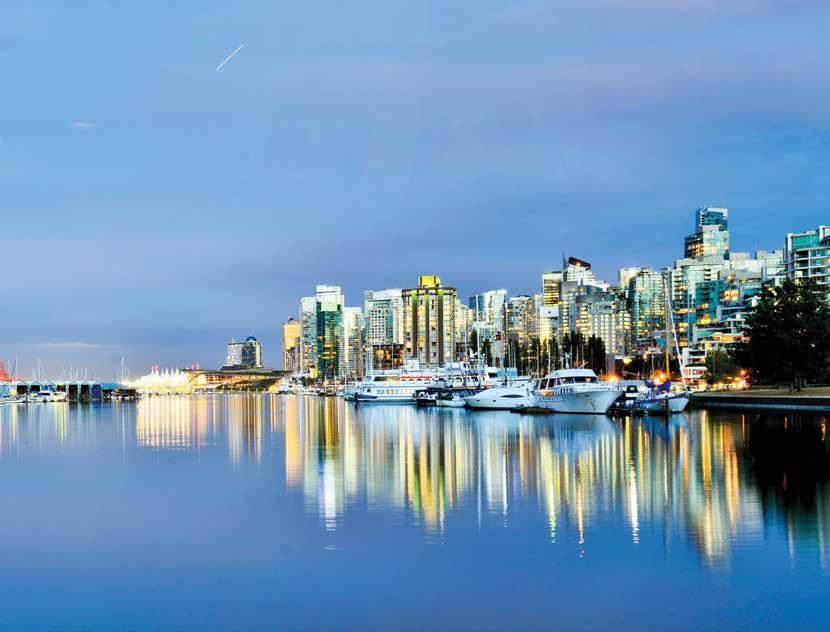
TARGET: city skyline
(162,207)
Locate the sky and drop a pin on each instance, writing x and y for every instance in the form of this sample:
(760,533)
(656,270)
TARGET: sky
(153,207)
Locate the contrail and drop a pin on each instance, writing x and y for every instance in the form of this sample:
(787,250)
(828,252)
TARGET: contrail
(229,57)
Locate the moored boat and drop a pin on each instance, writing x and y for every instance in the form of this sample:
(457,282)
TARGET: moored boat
(502,398)
(575,391)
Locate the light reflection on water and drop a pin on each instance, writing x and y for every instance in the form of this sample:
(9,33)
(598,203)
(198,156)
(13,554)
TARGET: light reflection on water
(719,481)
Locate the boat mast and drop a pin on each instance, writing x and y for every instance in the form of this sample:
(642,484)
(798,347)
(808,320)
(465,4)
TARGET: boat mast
(667,345)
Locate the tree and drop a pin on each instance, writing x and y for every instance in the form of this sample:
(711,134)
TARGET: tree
(788,335)
(720,365)
(594,354)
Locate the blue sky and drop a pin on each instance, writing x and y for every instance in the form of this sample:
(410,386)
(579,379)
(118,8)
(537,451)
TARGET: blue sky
(153,207)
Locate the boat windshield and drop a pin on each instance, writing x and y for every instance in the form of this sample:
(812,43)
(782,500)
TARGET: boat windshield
(580,379)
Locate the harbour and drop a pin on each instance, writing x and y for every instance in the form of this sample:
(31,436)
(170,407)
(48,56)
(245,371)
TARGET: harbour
(260,510)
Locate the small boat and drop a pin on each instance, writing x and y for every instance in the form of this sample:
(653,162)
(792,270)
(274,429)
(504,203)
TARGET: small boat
(661,399)
(11,399)
(502,398)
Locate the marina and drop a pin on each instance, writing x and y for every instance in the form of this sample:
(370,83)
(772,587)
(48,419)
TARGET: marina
(261,510)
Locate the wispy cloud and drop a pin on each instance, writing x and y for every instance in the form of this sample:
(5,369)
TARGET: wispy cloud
(73,344)
(83,125)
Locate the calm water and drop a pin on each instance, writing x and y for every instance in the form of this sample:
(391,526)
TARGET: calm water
(287,512)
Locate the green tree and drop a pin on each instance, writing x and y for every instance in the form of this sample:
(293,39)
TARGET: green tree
(720,366)
(788,335)
(594,354)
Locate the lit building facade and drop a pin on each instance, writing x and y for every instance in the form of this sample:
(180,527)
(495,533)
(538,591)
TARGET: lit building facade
(244,355)
(550,287)
(291,332)
(429,322)
(489,310)
(807,256)
(711,237)
(647,301)
(308,336)
(329,322)
(351,363)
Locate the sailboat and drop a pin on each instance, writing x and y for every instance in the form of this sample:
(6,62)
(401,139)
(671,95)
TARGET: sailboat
(662,398)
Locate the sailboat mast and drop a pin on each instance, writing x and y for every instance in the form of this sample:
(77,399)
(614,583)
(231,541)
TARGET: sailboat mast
(668,331)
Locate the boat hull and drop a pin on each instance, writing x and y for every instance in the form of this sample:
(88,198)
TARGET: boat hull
(676,404)
(485,402)
(588,402)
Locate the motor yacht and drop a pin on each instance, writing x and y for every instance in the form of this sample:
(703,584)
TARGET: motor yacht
(503,397)
(575,391)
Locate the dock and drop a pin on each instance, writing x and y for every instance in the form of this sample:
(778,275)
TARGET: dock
(815,399)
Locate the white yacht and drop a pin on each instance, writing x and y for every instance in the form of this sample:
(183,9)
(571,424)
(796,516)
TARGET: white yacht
(575,391)
(503,397)
(393,386)
(45,396)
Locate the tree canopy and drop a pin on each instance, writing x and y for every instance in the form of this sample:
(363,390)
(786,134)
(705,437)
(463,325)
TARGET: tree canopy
(788,335)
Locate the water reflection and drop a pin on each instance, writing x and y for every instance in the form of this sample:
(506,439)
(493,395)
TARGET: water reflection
(720,481)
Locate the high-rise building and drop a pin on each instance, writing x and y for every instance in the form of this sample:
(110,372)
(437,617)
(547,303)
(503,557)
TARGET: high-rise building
(291,345)
(489,312)
(429,322)
(550,287)
(647,300)
(578,279)
(522,319)
(711,237)
(604,314)
(351,363)
(308,336)
(384,316)
(624,276)
(243,355)
(807,256)
(329,321)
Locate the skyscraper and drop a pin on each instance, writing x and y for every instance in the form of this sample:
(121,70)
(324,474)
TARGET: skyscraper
(329,321)
(647,298)
(351,362)
(291,345)
(429,321)
(550,287)
(308,336)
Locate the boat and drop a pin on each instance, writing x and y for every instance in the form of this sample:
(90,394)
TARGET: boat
(43,397)
(662,398)
(392,387)
(454,398)
(575,391)
(11,399)
(502,397)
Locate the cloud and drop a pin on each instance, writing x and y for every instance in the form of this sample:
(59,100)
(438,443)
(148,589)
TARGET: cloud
(83,125)
(73,344)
